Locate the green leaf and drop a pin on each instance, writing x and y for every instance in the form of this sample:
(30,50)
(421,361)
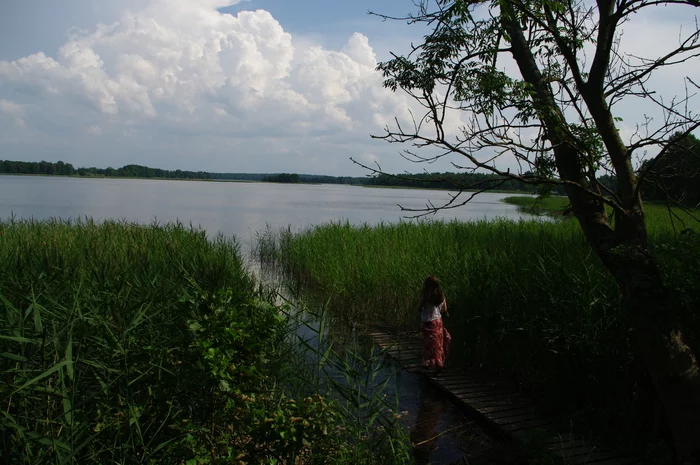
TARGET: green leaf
(20,339)
(69,358)
(48,372)
(18,358)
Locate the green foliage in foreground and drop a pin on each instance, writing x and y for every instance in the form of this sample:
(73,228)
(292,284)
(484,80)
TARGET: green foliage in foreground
(526,297)
(128,344)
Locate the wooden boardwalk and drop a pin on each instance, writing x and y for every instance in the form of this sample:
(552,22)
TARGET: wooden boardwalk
(500,405)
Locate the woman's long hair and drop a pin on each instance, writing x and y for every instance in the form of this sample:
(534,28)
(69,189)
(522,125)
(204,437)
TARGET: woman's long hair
(432,292)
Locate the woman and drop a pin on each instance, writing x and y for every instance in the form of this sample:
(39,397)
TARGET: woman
(436,339)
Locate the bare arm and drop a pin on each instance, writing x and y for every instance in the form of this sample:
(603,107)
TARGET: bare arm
(444,304)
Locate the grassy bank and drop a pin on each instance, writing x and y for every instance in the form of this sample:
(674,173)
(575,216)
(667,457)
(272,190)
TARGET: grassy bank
(122,343)
(528,297)
(660,218)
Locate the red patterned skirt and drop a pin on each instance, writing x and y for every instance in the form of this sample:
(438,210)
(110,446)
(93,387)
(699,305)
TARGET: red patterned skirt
(436,343)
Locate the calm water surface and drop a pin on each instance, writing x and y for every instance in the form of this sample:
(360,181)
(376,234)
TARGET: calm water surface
(230,208)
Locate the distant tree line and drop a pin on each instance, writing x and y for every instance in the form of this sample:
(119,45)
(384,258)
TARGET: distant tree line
(454,181)
(66,169)
(674,175)
(288,178)
(323,179)
(238,176)
(42,167)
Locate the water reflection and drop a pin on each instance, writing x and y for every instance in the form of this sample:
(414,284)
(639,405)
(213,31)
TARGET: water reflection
(424,434)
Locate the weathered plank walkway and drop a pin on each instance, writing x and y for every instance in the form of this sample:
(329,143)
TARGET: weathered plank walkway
(500,405)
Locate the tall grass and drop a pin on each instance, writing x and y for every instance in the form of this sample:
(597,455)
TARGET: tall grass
(94,339)
(528,297)
(662,220)
(122,343)
(346,366)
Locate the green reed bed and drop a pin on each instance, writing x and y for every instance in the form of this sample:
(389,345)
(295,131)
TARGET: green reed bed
(661,219)
(527,297)
(96,358)
(122,343)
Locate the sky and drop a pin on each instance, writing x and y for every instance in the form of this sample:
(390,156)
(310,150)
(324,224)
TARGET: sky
(224,85)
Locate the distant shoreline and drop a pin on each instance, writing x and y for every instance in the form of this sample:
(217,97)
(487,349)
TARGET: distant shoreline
(493,191)
(77,176)
(374,186)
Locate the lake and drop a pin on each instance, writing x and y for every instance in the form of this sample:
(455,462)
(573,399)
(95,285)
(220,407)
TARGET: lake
(230,208)
(241,209)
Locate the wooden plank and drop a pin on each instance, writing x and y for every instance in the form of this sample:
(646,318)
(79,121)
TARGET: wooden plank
(467,382)
(503,404)
(464,383)
(470,378)
(475,391)
(506,396)
(387,345)
(500,398)
(450,371)
(416,347)
(465,375)
(401,354)
(478,396)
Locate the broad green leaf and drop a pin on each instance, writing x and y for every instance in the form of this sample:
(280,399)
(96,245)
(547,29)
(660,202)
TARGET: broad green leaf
(48,372)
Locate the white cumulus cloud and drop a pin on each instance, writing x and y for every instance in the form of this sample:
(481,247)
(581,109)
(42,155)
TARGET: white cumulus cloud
(181,69)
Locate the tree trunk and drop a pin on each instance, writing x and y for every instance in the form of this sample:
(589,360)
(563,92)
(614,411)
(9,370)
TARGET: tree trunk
(649,304)
(651,308)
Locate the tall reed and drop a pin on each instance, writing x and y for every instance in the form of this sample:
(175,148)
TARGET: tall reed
(528,297)
(94,339)
(122,343)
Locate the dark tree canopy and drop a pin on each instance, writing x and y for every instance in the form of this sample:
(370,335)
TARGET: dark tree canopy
(676,175)
(537,84)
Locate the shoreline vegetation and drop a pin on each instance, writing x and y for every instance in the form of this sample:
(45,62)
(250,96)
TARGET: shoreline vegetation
(527,298)
(661,219)
(445,181)
(123,343)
